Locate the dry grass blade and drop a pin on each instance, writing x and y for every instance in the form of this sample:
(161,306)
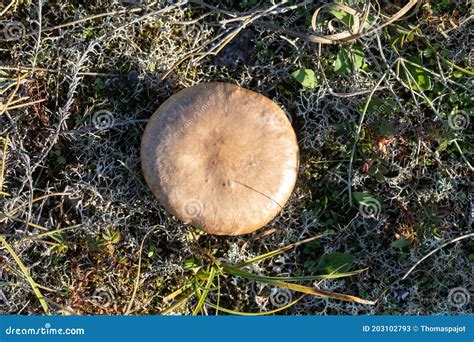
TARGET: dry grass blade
(29,224)
(276,281)
(459,238)
(176,293)
(27,275)
(38,237)
(346,36)
(12,95)
(37,199)
(178,303)
(137,279)
(279,251)
(321,293)
(264,313)
(22,105)
(2,166)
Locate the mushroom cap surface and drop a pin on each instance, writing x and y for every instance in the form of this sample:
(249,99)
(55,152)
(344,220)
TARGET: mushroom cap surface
(220,157)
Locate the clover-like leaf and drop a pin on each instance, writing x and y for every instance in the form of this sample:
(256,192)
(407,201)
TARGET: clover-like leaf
(349,60)
(307,78)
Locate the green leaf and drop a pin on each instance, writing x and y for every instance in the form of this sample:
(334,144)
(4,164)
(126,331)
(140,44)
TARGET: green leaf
(58,237)
(401,243)
(369,205)
(376,106)
(361,197)
(112,236)
(191,263)
(58,249)
(335,261)
(154,250)
(428,52)
(343,16)
(307,78)
(416,78)
(349,60)
(99,84)
(442,146)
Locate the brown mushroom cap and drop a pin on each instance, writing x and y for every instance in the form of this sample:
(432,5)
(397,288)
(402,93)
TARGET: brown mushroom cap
(220,157)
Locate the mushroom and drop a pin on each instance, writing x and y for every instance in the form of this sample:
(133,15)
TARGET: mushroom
(220,157)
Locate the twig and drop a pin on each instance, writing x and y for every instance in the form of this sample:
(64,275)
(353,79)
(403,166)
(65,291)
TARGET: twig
(346,36)
(137,278)
(58,71)
(97,16)
(357,136)
(459,238)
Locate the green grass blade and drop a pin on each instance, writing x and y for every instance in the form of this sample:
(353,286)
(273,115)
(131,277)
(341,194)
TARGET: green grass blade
(295,287)
(205,292)
(244,274)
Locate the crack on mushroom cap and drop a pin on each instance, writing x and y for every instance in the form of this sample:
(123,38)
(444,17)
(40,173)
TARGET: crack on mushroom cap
(217,144)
